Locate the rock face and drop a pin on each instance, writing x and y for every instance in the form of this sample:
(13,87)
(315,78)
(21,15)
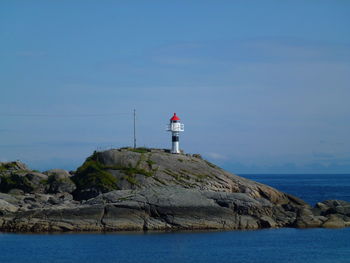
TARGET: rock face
(135,169)
(150,189)
(59,181)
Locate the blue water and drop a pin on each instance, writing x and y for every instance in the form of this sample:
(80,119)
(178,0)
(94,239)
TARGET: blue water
(271,245)
(312,188)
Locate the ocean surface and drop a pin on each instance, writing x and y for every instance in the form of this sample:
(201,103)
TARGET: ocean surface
(312,188)
(268,245)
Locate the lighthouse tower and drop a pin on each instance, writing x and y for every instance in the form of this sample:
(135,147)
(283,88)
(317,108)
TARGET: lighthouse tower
(175,127)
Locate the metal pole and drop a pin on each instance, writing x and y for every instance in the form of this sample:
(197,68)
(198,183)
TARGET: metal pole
(134,129)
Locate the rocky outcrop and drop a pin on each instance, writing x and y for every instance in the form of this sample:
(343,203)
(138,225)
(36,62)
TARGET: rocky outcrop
(122,169)
(144,189)
(336,212)
(156,208)
(59,181)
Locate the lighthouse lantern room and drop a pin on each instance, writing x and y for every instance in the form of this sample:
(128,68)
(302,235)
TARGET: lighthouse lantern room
(175,127)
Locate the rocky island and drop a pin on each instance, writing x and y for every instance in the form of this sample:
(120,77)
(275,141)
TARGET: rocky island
(150,189)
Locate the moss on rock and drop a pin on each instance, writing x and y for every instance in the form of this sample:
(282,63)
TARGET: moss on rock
(93,174)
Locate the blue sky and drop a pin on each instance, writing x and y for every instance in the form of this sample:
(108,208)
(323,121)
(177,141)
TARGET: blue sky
(262,86)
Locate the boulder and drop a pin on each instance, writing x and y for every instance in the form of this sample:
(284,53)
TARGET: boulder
(306,219)
(334,207)
(26,181)
(59,181)
(7,207)
(9,167)
(334,221)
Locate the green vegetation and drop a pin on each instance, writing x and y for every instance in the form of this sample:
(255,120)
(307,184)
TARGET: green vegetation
(93,174)
(44,181)
(180,160)
(210,164)
(6,166)
(125,198)
(12,181)
(134,170)
(142,158)
(200,177)
(131,179)
(150,163)
(186,175)
(139,150)
(176,176)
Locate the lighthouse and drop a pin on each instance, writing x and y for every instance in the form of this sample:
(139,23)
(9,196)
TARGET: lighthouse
(175,127)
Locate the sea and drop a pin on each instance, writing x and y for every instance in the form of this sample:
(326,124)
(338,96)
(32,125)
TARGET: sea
(267,245)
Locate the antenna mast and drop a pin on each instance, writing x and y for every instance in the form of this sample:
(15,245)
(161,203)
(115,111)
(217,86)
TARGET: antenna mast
(134,129)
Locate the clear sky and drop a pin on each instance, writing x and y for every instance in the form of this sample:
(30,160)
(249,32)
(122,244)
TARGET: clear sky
(261,86)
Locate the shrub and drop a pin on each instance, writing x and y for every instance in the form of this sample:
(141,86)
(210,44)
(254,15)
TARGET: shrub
(93,174)
(12,181)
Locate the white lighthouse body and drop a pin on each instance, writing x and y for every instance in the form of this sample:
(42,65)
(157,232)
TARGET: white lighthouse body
(175,127)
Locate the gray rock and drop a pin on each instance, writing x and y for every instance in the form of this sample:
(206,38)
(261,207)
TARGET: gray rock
(135,169)
(334,221)
(58,173)
(334,207)
(9,198)
(267,222)
(59,181)
(7,207)
(158,191)
(9,167)
(16,191)
(26,181)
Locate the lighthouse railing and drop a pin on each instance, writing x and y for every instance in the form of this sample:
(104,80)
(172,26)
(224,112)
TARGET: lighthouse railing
(175,127)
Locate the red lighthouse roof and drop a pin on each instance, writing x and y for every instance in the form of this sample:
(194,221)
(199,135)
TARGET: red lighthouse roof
(175,118)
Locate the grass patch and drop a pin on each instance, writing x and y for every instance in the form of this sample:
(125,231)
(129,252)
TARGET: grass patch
(9,182)
(139,150)
(202,176)
(180,160)
(169,172)
(210,164)
(44,181)
(125,198)
(7,166)
(132,180)
(93,174)
(150,163)
(141,159)
(129,170)
(135,170)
